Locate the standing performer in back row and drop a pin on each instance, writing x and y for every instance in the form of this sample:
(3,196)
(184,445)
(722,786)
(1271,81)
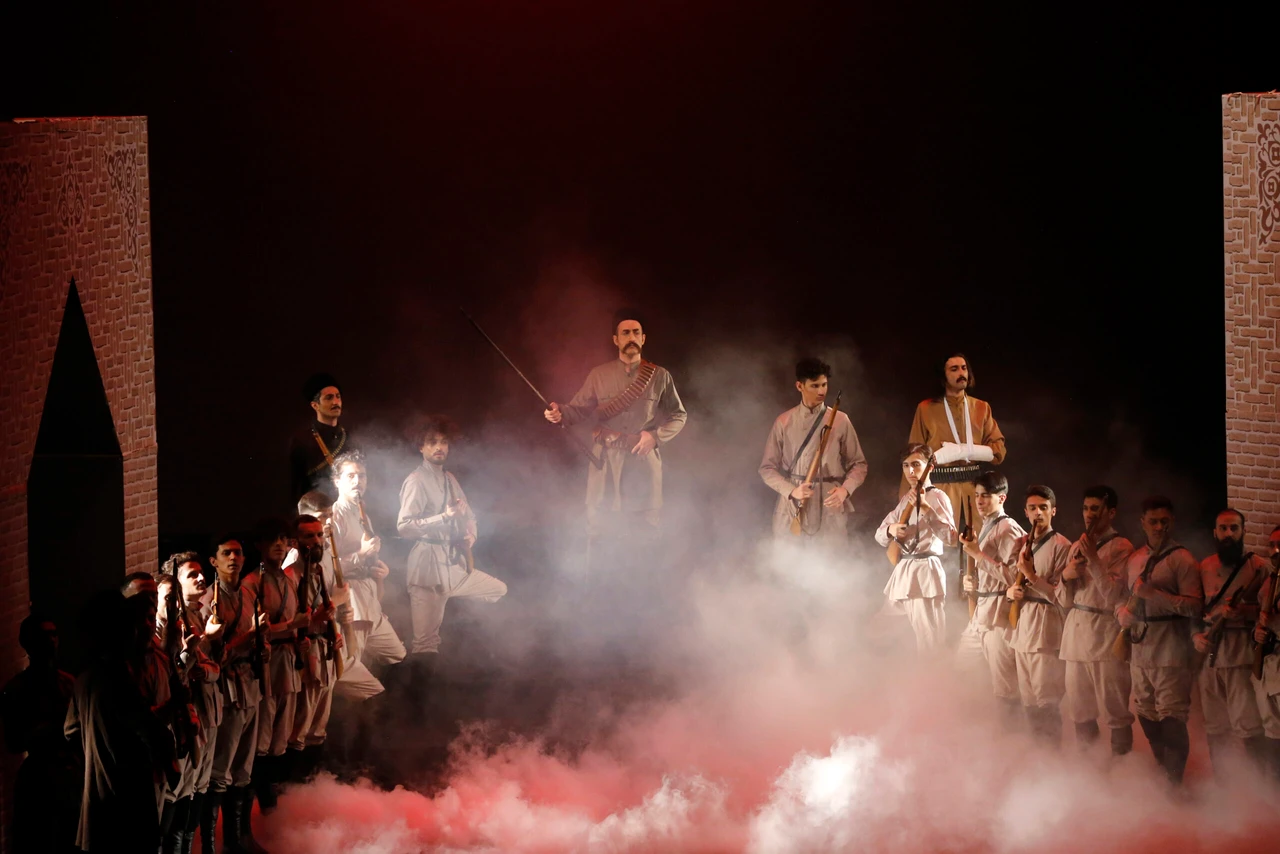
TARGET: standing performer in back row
(957,418)
(635,409)
(789,451)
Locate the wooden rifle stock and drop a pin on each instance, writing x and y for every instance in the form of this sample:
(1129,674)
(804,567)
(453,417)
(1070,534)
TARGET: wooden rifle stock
(1015,607)
(341,582)
(894,551)
(799,506)
(1218,625)
(260,648)
(969,565)
(1260,650)
(182,713)
(304,589)
(330,626)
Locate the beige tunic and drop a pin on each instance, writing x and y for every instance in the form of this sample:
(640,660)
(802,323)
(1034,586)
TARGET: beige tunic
(1236,646)
(627,481)
(1000,541)
(1176,583)
(234,649)
(1086,634)
(438,540)
(919,572)
(280,604)
(366,599)
(1039,626)
(843,465)
(930,427)
(317,667)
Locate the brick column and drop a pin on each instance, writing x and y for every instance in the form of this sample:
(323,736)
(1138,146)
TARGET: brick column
(74,202)
(1251,240)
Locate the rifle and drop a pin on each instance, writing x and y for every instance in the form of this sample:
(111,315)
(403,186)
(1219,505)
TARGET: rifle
(182,711)
(303,633)
(1015,607)
(968,566)
(1217,626)
(798,505)
(260,648)
(1261,650)
(338,579)
(894,551)
(331,629)
(1126,638)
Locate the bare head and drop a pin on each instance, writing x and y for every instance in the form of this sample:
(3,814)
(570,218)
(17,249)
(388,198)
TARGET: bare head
(1157,519)
(349,476)
(812,379)
(915,459)
(957,376)
(1099,508)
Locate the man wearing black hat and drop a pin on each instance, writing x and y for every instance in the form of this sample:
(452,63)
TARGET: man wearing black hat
(311,450)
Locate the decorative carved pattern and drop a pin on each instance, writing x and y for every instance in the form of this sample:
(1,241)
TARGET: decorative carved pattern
(122,166)
(70,203)
(1268,179)
(14,181)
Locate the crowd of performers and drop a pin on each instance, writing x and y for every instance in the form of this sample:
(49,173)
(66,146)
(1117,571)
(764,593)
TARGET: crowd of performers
(213,678)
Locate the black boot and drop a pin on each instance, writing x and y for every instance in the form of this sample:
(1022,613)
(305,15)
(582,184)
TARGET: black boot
(1219,749)
(263,780)
(1011,714)
(177,828)
(1273,758)
(195,815)
(1177,747)
(1087,734)
(166,825)
(1046,724)
(1121,740)
(209,820)
(1256,749)
(231,806)
(243,796)
(1155,737)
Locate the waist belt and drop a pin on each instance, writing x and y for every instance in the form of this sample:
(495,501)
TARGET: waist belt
(915,556)
(987,594)
(963,473)
(1026,600)
(1090,610)
(828,479)
(1166,618)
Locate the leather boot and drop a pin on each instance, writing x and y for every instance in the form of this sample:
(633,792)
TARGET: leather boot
(1219,749)
(1155,737)
(1121,740)
(1046,724)
(209,820)
(231,806)
(244,820)
(263,780)
(177,828)
(1087,734)
(1177,747)
(166,827)
(188,840)
(1256,749)
(1011,714)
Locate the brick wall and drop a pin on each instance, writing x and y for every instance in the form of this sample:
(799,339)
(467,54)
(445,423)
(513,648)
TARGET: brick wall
(74,202)
(1251,241)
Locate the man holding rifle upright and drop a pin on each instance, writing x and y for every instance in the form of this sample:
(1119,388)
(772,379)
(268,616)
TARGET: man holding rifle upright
(789,454)
(1266,657)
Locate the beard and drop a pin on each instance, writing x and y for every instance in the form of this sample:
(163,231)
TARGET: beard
(315,553)
(1230,551)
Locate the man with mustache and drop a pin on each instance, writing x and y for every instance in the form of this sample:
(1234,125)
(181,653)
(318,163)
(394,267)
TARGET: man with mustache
(958,418)
(313,448)
(1160,663)
(794,441)
(1093,586)
(636,411)
(1231,579)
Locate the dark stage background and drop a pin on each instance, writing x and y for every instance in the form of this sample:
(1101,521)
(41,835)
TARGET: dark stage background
(329,181)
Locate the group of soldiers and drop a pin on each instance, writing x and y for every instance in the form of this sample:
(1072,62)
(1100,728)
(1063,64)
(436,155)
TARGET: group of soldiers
(214,677)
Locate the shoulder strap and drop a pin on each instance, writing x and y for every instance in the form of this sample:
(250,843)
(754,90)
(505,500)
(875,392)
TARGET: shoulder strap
(986,532)
(1213,603)
(817,422)
(630,394)
(1048,535)
(1108,538)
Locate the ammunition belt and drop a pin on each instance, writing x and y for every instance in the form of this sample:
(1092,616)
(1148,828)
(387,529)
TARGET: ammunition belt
(630,394)
(959,473)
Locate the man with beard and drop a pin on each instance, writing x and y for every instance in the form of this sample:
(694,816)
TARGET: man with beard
(237,740)
(994,550)
(1037,635)
(1166,593)
(918,585)
(1232,579)
(1093,586)
(636,411)
(434,512)
(181,585)
(313,449)
(789,452)
(319,671)
(1267,688)
(958,418)
(34,708)
(279,604)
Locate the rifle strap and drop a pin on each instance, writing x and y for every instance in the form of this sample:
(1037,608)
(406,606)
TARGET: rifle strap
(988,529)
(1044,538)
(324,449)
(1213,603)
(630,394)
(817,422)
(1152,563)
